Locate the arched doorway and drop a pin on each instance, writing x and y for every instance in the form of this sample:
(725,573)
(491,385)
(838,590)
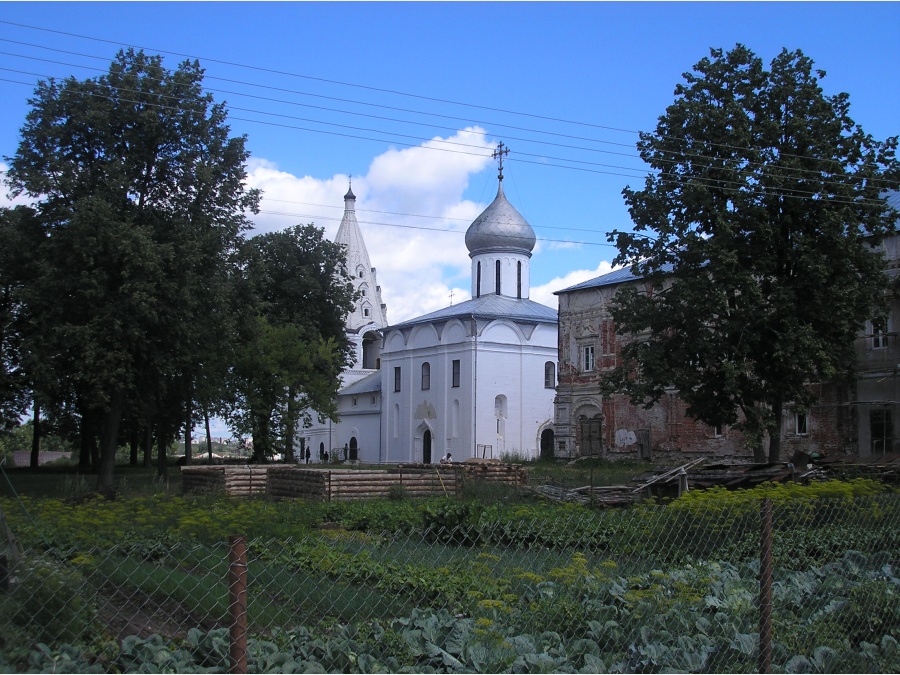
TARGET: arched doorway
(547,441)
(354,449)
(426,447)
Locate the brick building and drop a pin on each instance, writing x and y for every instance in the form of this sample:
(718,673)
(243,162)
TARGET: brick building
(855,418)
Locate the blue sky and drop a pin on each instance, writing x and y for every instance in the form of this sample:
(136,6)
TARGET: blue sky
(583,76)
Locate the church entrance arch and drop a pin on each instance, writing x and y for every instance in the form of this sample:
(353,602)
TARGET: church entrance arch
(547,442)
(354,449)
(426,447)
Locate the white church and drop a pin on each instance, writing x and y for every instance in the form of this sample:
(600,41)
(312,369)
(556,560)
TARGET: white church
(475,379)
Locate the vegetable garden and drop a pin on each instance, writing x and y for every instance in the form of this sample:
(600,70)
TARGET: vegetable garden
(447,585)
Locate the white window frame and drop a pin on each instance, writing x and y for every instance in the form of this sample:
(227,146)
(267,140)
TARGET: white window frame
(588,362)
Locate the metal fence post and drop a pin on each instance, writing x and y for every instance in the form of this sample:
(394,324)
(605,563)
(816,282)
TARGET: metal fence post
(765,587)
(237,602)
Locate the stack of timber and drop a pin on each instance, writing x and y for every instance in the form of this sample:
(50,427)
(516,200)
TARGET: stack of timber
(237,481)
(493,471)
(347,484)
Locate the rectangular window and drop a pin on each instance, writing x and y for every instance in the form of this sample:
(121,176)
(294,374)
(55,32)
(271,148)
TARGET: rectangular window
(879,333)
(354,401)
(800,424)
(587,358)
(396,378)
(455,379)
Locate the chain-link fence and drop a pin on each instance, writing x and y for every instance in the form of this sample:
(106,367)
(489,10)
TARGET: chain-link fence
(796,586)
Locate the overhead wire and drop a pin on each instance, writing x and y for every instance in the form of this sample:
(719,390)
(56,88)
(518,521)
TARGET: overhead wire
(400,93)
(695,156)
(722,184)
(636,173)
(544,160)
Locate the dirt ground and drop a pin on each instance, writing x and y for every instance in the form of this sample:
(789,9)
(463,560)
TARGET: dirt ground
(131,612)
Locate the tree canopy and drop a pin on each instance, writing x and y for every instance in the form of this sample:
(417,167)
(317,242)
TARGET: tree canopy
(290,362)
(141,198)
(756,236)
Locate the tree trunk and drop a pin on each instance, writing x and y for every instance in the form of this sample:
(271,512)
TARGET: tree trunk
(36,437)
(759,449)
(208,436)
(109,442)
(289,427)
(188,431)
(775,433)
(148,443)
(260,437)
(162,463)
(86,439)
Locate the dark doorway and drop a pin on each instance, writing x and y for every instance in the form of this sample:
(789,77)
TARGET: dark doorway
(589,432)
(354,449)
(426,447)
(882,428)
(547,451)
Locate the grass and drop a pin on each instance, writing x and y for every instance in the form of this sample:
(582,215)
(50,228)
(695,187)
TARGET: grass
(71,482)
(596,472)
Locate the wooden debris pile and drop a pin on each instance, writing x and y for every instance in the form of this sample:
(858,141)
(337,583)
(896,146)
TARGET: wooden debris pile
(673,482)
(885,466)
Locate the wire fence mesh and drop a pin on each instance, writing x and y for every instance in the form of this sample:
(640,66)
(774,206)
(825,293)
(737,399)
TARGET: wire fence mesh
(643,589)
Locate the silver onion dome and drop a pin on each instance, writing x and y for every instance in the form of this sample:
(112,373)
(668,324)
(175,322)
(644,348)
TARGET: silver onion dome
(500,227)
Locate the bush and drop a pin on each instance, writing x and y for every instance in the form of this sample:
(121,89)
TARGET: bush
(50,603)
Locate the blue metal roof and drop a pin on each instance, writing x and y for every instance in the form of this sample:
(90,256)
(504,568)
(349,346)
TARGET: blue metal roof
(368,384)
(489,307)
(619,276)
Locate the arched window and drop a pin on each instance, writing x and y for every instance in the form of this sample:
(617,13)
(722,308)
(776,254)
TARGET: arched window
(478,280)
(549,375)
(519,280)
(426,376)
(497,277)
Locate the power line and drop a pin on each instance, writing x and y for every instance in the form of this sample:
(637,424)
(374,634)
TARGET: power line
(430,229)
(719,184)
(325,80)
(417,96)
(636,173)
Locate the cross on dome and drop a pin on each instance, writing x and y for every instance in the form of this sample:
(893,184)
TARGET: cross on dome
(498,154)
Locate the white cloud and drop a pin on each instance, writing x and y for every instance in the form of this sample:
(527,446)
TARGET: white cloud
(411,211)
(544,293)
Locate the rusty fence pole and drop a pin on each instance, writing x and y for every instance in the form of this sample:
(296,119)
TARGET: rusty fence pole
(765,587)
(237,602)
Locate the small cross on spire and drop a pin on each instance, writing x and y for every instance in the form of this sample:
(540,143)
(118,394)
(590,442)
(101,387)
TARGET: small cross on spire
(498,154)
(451,297)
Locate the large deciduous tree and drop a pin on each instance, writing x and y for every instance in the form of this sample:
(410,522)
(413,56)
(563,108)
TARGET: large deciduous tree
(141,193)
(290,363)
(756,235)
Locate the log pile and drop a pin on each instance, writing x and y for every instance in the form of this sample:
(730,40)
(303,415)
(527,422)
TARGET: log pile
(494,472)
(295,482)
(236,481)
(347,484)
